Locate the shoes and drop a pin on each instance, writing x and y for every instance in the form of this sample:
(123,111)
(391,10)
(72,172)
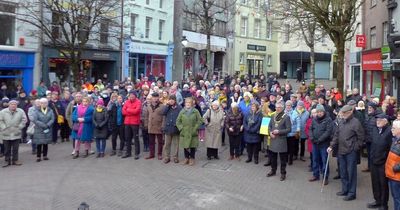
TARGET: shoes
(383,207)
(290,162)
(126,156)
(373,205)
(336,177)
(313,179)
(102,154)
(248,160)
(230,158)
(176,160)
(62,140)
(92,152)
(302,159)
(256,161)
(73,152)
(326,182)
(341,193)
(191,162)
(7,164)
(166,160)
(113,153)
(271,173)
(267,164)
(160,157)
(208,158)
(283,177)
(76,155)
(119,153)
(149,157)
(295,157)
(86,154)
(38,160)
(349,198)
(185,162)
(45,158)
(98,155)
(216,157)
(136,157)
(17,163)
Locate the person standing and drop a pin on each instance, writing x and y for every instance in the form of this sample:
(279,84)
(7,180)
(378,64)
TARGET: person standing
(171,132)
(65,130)
(349,137)
(116,125)
(251,127)
(392,165)
(278,128)
(381,140)
(234,125)
(12,121)
(100,132)
(58,110)
(43,119)
(294,135)
(370,125)
(214,121)
(82,132)
(188,122)
(155,120)
(131,112)
(31,128)
(68,115)
(304,115)
(321,131)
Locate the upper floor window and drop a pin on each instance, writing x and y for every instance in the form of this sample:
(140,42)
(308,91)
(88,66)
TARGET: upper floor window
(269,30)
(104,28)
(257,28)
(148,26)
(7,23)
(133,24)
(243,26)
(372,35)
(286,34)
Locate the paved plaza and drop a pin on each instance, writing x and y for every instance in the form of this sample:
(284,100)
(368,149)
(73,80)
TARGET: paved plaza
(115,183)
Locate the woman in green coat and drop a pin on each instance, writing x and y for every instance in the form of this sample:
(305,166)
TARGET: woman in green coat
(188,122)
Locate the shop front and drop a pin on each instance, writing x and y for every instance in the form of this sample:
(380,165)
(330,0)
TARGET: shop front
(355,71)
(373,75)
(95,64)
(16,67)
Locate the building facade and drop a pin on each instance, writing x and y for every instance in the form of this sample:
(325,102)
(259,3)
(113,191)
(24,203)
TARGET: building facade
(375,68)
(394,44)
(149,38)
(255,41)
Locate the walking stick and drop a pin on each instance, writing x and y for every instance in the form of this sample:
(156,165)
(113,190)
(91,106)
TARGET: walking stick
(326,170)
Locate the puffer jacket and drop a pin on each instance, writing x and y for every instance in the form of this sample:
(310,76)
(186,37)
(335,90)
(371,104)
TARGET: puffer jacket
(349,136)
(11,124)
(131,111)
(235,122)
(295,120)
(100,122)
(370,124)
(321,130)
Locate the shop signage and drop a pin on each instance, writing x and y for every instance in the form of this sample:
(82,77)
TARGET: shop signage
(145,48)
(10,59)
(372,61)
(386,62)
(256,47)
(361,41)
(255,57)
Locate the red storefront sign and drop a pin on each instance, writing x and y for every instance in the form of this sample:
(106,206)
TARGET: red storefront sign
(372,61)
(361,41)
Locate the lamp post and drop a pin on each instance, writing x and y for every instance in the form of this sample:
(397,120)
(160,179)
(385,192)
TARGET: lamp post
(184,42)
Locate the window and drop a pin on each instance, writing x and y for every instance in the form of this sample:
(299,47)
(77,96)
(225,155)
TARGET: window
(269,31)
(148,25)
(372,39)
(133,24)
(161,3)
(385,33)
(243,26)
(83,28)
(161,25)
(257,28)
(56,19)
(220,28)
(147,2)
(104,26)
(190,22)
(286,34)
(269,60)
(7,23)
(241,58)
(267,5)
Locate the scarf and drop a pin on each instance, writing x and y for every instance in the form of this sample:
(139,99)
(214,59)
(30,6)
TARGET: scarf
(81,113)
(44,110)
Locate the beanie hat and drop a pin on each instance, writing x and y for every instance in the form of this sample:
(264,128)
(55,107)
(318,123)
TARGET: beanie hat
(320,108)
(100,102)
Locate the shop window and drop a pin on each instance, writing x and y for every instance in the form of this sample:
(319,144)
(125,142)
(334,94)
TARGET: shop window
(241,58)
(104,27)
(7,23)
(147,2)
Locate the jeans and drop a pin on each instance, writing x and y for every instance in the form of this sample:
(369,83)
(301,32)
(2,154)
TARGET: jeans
(319,156)
(302,147)
(145,134)
(234,145)
(132,131)
(395,188)
(253,149)
(368,145)
(118,131)
(100,145)
(42,149)
(348,172)
(11,150)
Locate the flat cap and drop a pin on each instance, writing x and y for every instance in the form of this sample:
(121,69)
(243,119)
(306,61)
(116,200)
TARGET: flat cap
(346,108)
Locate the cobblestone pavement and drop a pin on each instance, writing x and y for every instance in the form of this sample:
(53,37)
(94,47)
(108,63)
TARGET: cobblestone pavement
(115,183)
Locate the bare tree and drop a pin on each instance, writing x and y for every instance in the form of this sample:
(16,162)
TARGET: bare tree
(337,18)
(207,12)
(69,25)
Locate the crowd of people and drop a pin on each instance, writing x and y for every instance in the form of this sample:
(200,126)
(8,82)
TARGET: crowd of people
(256,114)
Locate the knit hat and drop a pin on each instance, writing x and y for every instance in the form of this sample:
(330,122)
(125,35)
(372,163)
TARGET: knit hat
(13,101)
(100,102)
(300,103)
(372,105)
(133,92)
(5,100)
(320,108)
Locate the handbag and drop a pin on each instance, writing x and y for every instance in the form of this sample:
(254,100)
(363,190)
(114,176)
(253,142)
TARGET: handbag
(75,127)
(30,130)
(60,118)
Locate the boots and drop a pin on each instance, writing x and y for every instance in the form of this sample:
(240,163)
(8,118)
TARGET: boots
(86,154)
(113,153)
(185,162)
(76,155)
(191,162)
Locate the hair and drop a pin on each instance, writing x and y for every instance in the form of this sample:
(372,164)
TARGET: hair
(396,124)
(87,98)
(280,103)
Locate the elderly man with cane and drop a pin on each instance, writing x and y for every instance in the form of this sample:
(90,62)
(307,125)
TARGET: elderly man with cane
(349,137)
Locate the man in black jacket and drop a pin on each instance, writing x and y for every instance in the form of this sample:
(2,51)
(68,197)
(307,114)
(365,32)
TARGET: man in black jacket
(370,126)
(380,145)
(171,112)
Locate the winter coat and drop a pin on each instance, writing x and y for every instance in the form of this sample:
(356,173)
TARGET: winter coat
(279,143)
(11,124)
(251,127)
(295,120)
(321,131)
(87,133)
(171,114)
(100,124)
(131,111)
(392,165)
(57,107)
(380,145)
(43,122)
(68,112)
(349,136)
(370,124)
(188,124)
(144,121)
(235,122)
(214,121)
(113,116)
(155,118)
(303,120)
(244,108)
